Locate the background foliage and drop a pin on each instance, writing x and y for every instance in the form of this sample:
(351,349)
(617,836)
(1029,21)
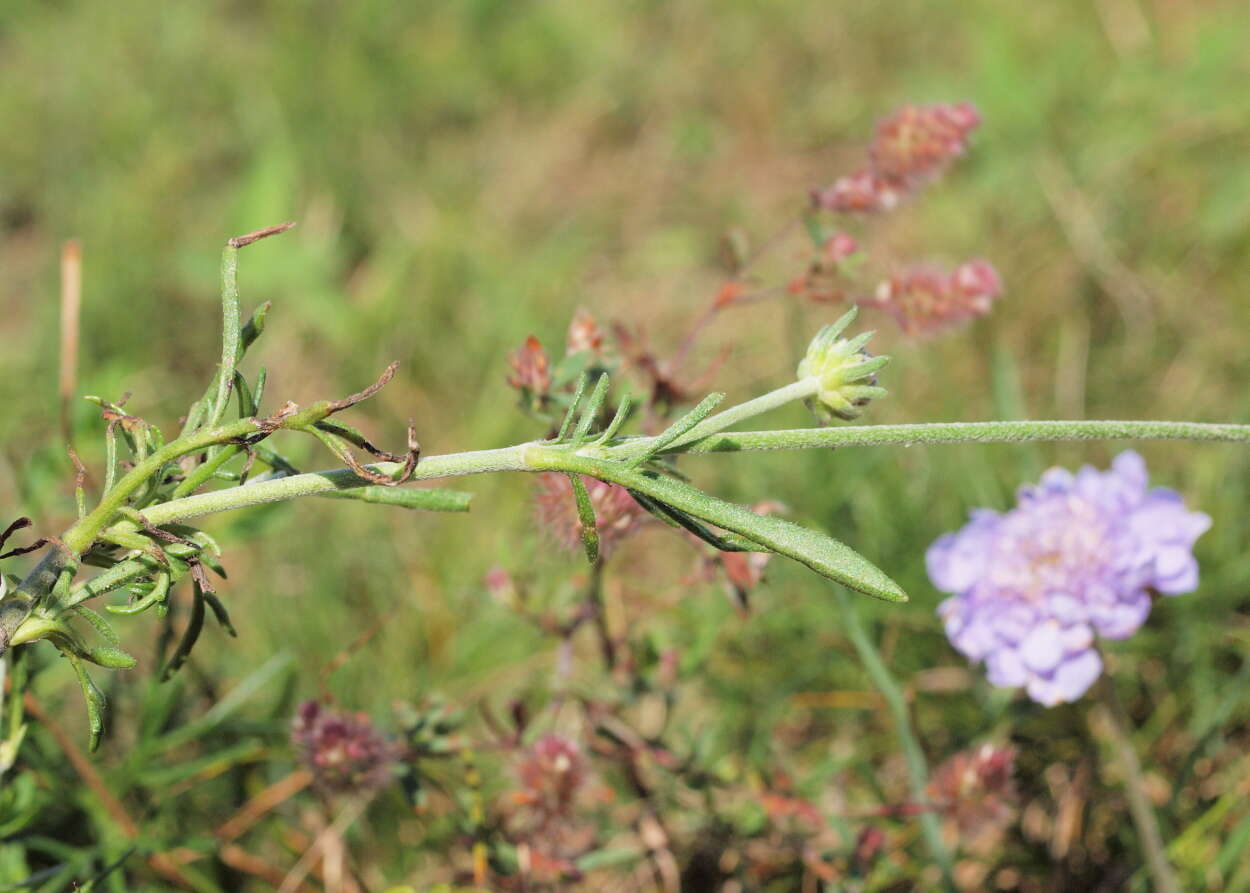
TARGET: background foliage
(466,174)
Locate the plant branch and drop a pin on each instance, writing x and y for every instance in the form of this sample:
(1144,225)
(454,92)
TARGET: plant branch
(961,432)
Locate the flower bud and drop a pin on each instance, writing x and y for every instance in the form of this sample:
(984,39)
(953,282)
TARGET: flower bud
(846,373)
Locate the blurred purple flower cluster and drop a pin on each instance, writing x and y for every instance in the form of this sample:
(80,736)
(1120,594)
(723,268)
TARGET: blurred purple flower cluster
(1079,556)
(344,752)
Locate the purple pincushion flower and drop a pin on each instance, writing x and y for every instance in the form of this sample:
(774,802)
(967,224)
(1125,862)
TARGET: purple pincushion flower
(1078,557)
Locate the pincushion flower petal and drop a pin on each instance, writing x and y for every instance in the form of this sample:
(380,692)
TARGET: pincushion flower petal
(1080,556)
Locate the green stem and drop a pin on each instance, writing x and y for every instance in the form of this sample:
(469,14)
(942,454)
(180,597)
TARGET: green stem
(204,471)
(230,332)
(917,771)
(1148,836)
(513,458)
(80,537)
(319,482)
(796,390)
(961,432)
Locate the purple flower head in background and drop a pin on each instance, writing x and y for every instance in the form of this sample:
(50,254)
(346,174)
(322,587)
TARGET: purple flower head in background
(1079,556)
(344,751)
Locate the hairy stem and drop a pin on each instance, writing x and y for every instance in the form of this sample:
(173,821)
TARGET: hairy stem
(962,432)
(80,537)
(513,458)
(797,390)
(314,483)
(230,331)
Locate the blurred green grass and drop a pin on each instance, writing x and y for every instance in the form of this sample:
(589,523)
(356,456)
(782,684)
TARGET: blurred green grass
(466,174)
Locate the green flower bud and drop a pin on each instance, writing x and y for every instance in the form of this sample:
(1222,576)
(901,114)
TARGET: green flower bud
(846,374)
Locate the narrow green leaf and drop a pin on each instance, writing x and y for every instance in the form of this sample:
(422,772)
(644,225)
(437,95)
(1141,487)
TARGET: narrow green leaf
(195,625)
(678,428)
(253,328)
(220,612)
(578,393)
(94,698)
(160,591)
(110,458)
(676,518)
(586,514)
(262,378)
(421,500)
(230,332)
(109,657)
(247,404)
(622,413)
(591,411)
(100,625)
(818,551)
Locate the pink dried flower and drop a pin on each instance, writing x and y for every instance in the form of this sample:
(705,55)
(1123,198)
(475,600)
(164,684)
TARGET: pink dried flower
(531,368)
(863,191)
(551,773)
(616,514)
(584,334)
(925,299)
(975,789)
(344,752)
(911,147)
(840,247)
(917,142)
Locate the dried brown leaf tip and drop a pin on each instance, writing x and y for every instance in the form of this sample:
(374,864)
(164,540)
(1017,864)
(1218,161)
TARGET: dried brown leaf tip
(249,238)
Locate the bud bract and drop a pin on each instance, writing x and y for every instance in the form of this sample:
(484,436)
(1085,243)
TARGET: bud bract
(846,374)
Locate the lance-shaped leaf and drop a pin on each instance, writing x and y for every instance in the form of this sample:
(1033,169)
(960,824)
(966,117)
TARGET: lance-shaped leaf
(818,551)
(96,702)
(730,542)
(431,500)
(591,410)
(220,612)
(622,413)
(195,625)
(567,425)
(586,514)
(157,595)
(678,428)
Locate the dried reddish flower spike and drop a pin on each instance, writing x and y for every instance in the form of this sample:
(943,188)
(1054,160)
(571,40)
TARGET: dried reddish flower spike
(975,789)
(531,368)
(839,247)
(924,299)
(616,514)
(861,192)
(917,142)
(584,334)
(551,773)
(911,147)
(344,752)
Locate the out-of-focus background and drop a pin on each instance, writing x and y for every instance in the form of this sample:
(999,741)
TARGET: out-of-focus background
(466,174)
